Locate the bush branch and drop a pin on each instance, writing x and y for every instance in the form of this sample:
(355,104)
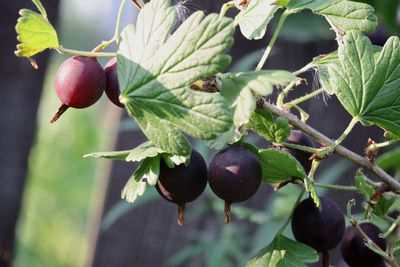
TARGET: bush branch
(393,184)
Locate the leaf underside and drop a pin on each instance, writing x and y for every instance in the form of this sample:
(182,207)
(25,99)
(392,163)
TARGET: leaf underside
(35,34)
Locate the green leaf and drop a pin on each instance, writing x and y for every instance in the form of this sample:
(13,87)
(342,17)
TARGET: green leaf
(278,166)
(383,206)
(146,173)
(141,152)
(395,246)
(263,123)
(310,188)
(242,89)
(35,34)
(156,68)
(322,63)
(284,252)
(366,87)
(392,136)
(227,138)
(361,183)
(389,160)
(254,19)
(117,155)
(343,15)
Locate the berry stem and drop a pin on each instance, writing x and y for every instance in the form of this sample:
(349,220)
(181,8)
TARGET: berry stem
(118,22)
(66,51)
(367,241)
(181,213)
(325,259)
(273,40)
(227,212)
(59,112)
(299,198)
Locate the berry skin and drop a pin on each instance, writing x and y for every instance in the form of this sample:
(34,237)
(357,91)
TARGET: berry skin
(355,253)
(320,228)
(112,85)
(183,183)
(299,138)
(79,83)
(234,175)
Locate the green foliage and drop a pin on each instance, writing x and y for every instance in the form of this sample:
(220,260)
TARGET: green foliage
(383,206)
(284,252)
(40,7)
(141,152)
(360,182)
(35,33)
(263,123)
(146,173)
(278,166)
(242,89)
(389,160)
(156,71)
(253,20)
(366,87)
(343,15)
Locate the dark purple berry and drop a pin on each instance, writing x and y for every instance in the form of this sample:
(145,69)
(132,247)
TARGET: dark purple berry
(354,251)
(234,175)
(320,228)
(182,183)
(112,86)
(80,82)
(299,138)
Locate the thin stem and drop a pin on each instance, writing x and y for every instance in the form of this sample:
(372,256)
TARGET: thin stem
(284,92)
(304,98)
(331,147)
(392,227)
(302,148)
(66,51)
(286,223)
(225,7)
(103,45)
(373,147)
(393,184)
(272,42)
(337,187)
(303,115)
(372,245)
(303,69)
(118,22)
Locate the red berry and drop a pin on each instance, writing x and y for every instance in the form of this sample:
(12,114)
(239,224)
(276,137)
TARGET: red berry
(80,82)
(112,86)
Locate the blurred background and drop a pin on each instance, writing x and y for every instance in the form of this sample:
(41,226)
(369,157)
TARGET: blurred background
(58,209)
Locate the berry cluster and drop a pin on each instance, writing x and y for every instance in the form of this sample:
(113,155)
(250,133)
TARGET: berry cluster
(234,174)
(80,82)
